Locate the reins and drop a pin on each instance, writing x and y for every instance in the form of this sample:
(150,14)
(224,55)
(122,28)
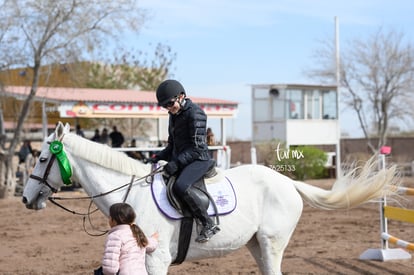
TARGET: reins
(53,199)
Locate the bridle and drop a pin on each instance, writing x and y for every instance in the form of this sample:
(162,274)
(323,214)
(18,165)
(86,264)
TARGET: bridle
(53,199)
(54,153)
(43,180)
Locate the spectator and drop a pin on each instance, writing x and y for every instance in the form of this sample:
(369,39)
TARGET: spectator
(210,137)
(79,131)
(134,154)
(104,136)
(96,137)
(25,150)
(117,139)
(29,164)
(210,140)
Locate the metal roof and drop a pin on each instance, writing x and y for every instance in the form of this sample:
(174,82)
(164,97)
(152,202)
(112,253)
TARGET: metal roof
(293,86)
(64,94)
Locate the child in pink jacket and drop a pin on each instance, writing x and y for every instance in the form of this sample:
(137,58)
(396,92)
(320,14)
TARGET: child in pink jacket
(126,244)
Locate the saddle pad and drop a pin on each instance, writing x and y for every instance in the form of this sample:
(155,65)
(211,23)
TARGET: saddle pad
(221,191)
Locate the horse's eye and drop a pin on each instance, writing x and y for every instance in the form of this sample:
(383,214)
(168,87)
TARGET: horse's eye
(42,159)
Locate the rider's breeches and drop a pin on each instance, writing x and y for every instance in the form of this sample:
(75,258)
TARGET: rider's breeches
(190,175)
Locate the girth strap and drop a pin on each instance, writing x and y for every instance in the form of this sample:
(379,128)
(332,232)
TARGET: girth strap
(187,221)
(184,239)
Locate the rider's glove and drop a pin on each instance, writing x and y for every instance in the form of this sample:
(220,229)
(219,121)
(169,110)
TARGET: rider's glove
(171,168)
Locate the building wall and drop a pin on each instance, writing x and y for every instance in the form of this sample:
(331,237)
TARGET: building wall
(57,75)
(269,130)
(402,148)
(312,132)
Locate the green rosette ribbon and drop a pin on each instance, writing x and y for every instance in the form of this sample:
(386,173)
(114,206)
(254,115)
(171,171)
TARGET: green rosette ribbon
(56,148)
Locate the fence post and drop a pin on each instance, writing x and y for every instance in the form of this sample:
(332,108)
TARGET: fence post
(385,253)
(383,202)
(253,155)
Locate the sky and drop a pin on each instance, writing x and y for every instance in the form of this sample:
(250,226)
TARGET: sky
(223,47)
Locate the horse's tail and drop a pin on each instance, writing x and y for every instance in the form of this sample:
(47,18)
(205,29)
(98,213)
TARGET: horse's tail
(361,185)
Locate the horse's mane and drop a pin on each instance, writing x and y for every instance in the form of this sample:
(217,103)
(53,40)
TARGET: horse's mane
(103,155)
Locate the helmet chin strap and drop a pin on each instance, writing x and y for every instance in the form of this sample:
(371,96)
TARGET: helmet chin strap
(182,103)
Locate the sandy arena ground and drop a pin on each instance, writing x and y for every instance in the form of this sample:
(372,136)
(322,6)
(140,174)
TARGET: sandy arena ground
(52,241)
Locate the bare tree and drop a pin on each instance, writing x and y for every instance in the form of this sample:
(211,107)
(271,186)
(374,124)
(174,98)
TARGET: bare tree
(41,32)
(376,78)
(132,69)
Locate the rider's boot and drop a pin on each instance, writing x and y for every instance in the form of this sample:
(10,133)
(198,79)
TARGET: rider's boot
(200,213)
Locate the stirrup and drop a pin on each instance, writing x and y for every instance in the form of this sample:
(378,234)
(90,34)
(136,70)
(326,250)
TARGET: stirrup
(207,232)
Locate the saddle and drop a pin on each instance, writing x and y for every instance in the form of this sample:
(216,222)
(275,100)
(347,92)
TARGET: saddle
(187,221)
(199,187)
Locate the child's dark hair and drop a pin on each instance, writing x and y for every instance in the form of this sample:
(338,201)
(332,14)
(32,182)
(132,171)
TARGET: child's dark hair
(123,213)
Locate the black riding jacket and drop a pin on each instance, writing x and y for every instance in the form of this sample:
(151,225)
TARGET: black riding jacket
(187,136)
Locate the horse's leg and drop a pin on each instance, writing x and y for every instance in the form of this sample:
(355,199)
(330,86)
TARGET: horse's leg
(268,251)
(157,264)
(278,222)
(254,248)
(271,251)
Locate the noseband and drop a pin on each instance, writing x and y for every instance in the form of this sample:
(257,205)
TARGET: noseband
(43,180)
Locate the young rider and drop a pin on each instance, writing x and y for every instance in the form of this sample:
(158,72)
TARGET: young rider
(186,151)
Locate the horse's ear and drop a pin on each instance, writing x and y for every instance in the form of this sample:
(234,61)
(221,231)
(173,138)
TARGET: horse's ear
(59,130)
(67,128)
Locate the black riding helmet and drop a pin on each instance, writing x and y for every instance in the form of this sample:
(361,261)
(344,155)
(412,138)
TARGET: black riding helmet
(167,90)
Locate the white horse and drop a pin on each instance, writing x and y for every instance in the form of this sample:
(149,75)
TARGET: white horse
(269,204)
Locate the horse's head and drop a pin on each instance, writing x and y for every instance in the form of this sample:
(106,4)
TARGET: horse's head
(47,176)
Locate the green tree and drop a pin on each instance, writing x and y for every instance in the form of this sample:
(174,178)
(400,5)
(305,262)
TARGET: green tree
(303,162)
(298,162)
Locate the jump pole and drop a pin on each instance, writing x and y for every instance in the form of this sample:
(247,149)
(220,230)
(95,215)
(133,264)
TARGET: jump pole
(385,253)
